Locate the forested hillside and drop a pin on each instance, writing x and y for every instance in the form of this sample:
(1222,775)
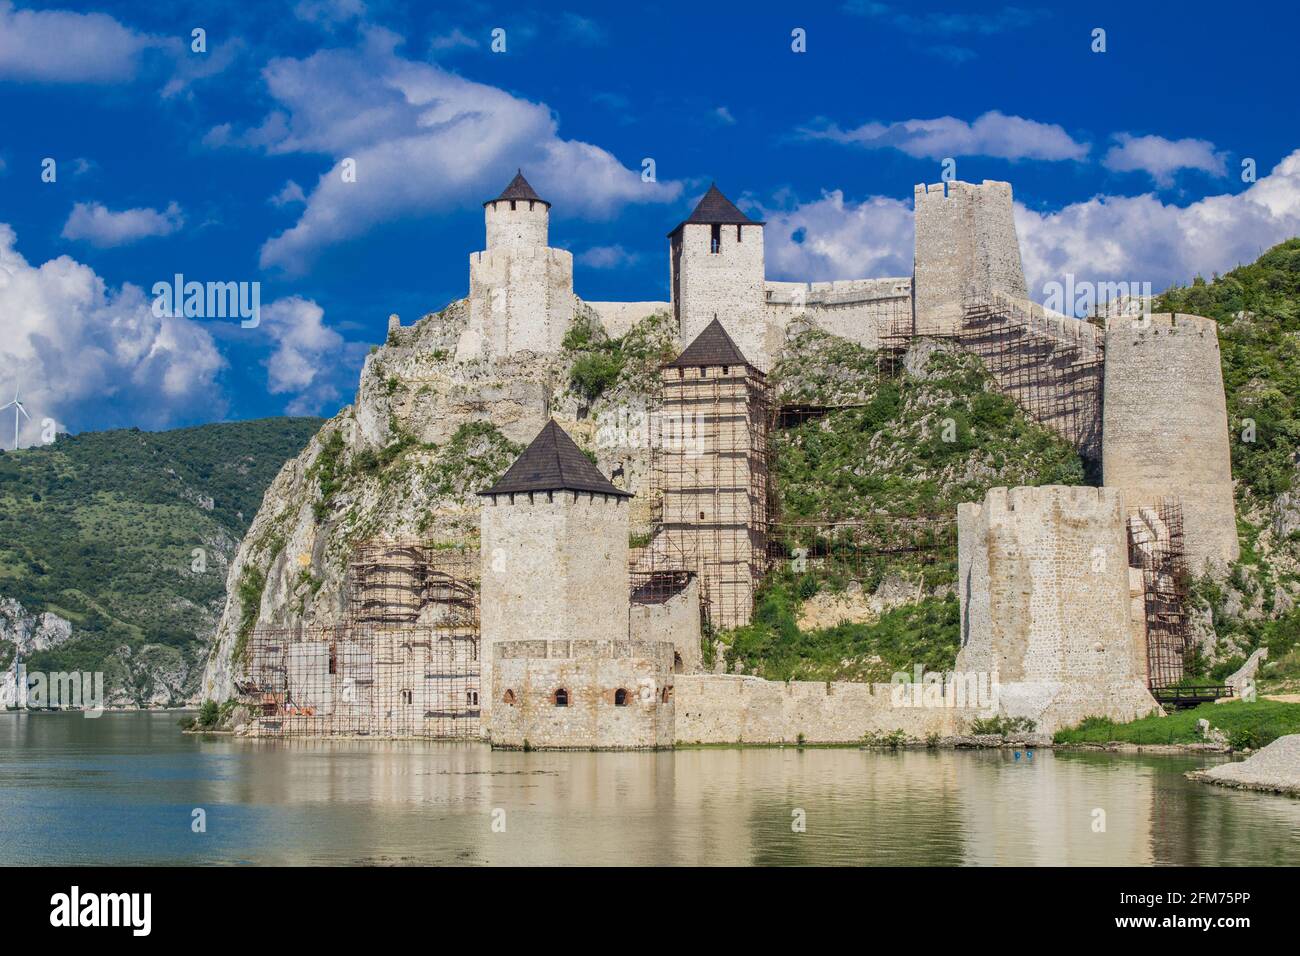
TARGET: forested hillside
(127,535)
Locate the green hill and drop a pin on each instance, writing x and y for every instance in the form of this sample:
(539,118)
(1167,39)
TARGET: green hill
(1257,307)
(127,534)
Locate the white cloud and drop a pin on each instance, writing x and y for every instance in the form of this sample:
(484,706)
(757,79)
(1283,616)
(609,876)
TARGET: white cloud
(423,140)
(58,46)
(289,194)
(454,40)
(723,115)
(1161,157)
(992,134)
(306,353)
(1141,239)
(104,228)
(329,13)
(833,239)
(607,257)
(88,356)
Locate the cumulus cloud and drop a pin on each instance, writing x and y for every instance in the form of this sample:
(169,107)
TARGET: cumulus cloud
(306,354)
(289,194)
(723,116)
(454,40)
(104,228)
(423,140)
(1161,158)
(58,46)
(992,134)
(88,356)
(1141,239)
(830,238)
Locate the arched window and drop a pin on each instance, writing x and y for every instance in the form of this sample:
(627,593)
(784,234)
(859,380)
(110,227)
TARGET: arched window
(668,693)
(620,698)
(561,698)
(407,697)
(678,666)
(509,698)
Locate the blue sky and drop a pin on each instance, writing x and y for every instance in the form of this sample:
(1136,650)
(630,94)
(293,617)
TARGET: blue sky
(224,165)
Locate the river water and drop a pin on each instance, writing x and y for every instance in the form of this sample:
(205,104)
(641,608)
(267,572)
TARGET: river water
(123,788)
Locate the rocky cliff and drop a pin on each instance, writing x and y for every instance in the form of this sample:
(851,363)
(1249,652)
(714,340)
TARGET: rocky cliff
(406,458)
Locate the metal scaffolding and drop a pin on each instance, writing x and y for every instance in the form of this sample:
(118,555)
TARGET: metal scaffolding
(1052,366)
(709,490)
(1156,548)
(404,664)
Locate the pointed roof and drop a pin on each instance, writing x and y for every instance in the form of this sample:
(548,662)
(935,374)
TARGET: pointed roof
(714,207)
(713,346)
(554,463)
(519,189)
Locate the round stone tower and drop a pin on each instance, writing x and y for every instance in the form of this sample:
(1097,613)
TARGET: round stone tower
(518,218)
(1165,427)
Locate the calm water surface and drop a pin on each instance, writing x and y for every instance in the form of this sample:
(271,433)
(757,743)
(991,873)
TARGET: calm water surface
(122,788)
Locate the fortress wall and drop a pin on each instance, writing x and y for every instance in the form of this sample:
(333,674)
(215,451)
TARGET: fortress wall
(618,318)
(728,709)
(551,569)
(728,284)
(526,675)
(966,245)
(1165,427)
(1045,603)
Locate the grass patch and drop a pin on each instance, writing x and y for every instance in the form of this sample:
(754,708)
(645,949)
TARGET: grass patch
(1246,724)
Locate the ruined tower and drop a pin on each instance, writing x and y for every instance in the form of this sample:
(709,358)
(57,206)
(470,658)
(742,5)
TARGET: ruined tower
(966,248)
(1165,427)
(716,263)
(710,473)
(520,290)
(1043,581)
(554,548)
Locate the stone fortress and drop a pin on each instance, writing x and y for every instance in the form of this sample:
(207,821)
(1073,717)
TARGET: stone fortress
(1071,597)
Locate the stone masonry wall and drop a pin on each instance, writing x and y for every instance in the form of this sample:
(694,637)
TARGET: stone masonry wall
(1043,582)
(553,568)
(860,310)
(1165,427)
(728,709)
(527,675)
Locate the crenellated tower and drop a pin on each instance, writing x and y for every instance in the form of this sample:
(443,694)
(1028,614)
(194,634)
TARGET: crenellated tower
(520,289)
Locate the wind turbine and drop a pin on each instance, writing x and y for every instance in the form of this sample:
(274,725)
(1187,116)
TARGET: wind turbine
(18,408)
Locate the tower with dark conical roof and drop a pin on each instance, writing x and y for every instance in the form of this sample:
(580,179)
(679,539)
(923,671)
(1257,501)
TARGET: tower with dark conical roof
(716,256)
(554,541)
(520,289)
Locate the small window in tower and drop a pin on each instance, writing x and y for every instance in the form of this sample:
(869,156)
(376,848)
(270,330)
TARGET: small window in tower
(561,698)
(715,241)
(512,205)
(701,515)
(407,697)
(471,698)
(509,698)
(334,660)
(738,232)
(620,698)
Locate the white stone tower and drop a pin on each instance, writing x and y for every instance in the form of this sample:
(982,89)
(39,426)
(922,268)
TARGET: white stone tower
(966,247)
(1165,427)
(553,535)
(520,289)
(716,263)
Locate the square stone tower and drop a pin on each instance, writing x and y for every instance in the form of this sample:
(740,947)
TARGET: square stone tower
(710,473)
(520,290)
(1043,580)
(966,247)
(716,268)
(554,542)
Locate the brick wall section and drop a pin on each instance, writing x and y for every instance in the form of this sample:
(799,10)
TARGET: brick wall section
(1165,427)
(553,568)
(966,246)
(527,674)
(1043,582)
